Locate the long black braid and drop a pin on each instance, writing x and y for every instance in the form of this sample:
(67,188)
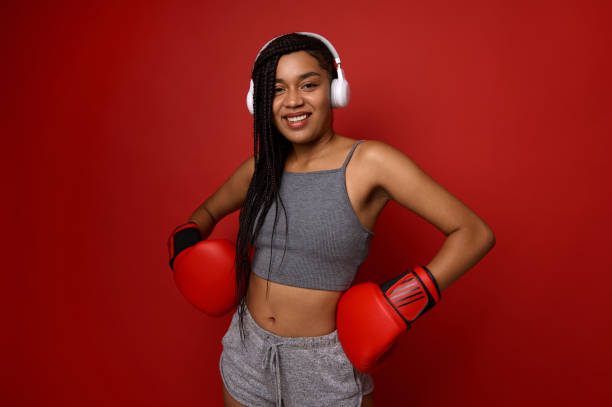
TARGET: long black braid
(270,152)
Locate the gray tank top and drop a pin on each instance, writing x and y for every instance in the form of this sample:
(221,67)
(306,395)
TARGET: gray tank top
(325,242)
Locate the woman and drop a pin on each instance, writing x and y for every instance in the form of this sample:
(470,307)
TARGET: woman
(320,195)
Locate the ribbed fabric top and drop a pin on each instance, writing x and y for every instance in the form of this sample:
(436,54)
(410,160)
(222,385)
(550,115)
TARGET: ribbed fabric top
(325,242)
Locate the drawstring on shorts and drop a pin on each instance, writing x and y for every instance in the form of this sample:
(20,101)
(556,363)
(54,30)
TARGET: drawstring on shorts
(271,360)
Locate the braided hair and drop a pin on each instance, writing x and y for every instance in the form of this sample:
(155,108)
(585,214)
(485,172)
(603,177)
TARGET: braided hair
(270,153)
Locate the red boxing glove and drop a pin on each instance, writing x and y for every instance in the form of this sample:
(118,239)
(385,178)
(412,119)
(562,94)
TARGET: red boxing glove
(203,270)
(370,317)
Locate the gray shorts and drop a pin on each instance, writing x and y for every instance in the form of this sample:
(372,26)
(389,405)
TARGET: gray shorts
(280,371)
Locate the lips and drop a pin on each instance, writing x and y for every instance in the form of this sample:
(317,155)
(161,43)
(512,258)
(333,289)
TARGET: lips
(296,120)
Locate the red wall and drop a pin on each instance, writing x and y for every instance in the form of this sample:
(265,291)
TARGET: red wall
(121,119)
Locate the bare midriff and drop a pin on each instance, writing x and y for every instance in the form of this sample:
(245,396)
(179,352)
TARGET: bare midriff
(291,311)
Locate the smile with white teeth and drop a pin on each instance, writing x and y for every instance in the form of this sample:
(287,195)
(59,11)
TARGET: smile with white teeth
(297,118)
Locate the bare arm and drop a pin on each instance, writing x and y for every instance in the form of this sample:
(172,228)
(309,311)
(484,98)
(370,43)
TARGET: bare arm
(469,238)
(225,200)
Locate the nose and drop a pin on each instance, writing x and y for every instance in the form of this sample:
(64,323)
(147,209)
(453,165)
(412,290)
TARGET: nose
(294,98)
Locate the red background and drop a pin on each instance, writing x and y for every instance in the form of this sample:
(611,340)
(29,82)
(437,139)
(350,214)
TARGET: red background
(121,119)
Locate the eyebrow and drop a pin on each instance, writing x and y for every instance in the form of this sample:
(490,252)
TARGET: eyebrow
(303,76)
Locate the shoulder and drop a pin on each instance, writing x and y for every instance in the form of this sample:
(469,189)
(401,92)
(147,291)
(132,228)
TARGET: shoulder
(386,167)
(249,164)
(375,148)
(246,169)
(378,155)
(240,179)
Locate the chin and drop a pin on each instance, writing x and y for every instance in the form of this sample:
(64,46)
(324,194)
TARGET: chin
(300,137)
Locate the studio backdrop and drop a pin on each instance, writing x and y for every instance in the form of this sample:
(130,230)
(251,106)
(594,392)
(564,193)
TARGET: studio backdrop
(120,118)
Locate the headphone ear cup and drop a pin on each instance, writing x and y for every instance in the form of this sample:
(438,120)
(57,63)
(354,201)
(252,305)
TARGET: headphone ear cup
(249,98)
(340,93)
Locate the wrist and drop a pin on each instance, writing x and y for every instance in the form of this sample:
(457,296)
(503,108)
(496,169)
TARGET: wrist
(430,282)
(412,293)
(181,238)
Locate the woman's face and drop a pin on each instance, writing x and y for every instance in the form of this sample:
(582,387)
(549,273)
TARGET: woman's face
(301,106)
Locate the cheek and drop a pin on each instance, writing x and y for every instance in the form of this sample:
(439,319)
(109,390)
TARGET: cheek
(325,98)
(276,104)
(324,102)
(275,110)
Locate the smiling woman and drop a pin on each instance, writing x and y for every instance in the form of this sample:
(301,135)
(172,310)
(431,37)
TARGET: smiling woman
(301,106)
(309,200)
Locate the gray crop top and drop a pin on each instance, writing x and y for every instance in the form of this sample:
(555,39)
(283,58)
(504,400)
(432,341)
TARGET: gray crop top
(326,243)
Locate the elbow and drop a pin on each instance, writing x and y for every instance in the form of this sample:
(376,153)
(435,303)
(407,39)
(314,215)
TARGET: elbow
(488,236)
(482,235)
(492,241)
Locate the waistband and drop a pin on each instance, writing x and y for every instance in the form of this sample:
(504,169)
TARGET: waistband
(304,342)
(269,356)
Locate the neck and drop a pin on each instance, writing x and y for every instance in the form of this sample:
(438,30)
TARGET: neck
(304,153)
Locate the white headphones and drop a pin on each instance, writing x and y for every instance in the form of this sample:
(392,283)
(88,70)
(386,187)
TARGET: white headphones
(340,92)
